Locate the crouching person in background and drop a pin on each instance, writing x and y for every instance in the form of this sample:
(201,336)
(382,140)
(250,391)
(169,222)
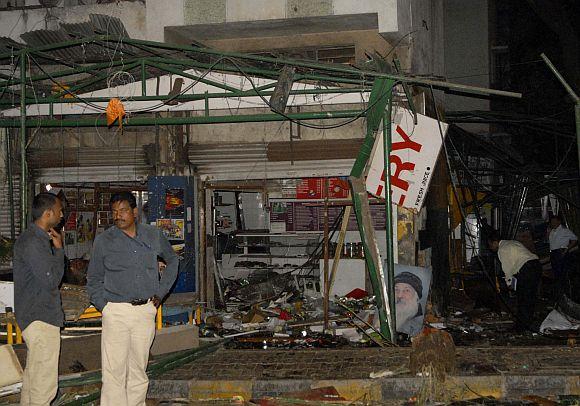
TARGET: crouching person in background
(522,271)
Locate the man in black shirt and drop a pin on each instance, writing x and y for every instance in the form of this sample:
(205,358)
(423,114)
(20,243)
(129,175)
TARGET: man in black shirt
(38,270)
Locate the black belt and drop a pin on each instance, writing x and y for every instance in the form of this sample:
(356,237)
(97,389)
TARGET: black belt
(139,302)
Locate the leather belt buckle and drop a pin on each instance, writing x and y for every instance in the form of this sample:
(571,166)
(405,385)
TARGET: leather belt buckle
(139,302)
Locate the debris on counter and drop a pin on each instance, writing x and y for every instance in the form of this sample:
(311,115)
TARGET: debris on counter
(260,285)
(271,306)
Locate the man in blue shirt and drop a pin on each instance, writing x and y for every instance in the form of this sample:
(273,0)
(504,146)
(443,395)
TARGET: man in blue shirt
(38,270)
(123,282)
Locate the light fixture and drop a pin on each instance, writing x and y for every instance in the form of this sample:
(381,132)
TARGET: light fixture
(48,187)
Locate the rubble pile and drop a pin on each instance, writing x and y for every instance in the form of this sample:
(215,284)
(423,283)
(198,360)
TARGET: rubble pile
(267,309)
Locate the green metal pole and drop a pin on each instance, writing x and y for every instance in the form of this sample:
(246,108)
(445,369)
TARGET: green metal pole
(380,97)
(186,97)
(325,67)
(390,268)
(143,78)
(70,72)
(23,171)
(8,146)
(175,71)
(151,121)
(206,104)
(94,79)
(331,69)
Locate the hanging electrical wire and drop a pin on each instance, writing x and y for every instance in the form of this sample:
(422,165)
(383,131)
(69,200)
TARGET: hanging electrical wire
(460,207)
(464,218)
(299,122)
(206,72)
(519,170)
(146,109)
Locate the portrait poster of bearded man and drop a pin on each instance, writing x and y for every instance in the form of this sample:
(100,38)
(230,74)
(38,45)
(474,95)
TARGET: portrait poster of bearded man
(411,291)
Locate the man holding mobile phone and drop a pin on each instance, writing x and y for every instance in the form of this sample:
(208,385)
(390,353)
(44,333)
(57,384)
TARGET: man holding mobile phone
(38,271)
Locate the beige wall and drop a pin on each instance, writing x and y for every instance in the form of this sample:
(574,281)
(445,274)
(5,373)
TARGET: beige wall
(362,40)
(221,11)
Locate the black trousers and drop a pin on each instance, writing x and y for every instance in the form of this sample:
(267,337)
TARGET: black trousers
(528,279)
(560,264)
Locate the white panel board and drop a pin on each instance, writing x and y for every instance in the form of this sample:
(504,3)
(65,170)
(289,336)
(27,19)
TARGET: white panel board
(413,155)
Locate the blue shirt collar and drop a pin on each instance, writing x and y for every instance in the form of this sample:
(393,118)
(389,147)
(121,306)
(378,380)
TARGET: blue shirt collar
(35,228)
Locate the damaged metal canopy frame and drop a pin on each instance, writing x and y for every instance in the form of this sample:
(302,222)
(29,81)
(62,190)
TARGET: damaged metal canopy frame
(152,63)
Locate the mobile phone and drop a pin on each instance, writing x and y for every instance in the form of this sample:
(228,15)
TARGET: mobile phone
(58,228)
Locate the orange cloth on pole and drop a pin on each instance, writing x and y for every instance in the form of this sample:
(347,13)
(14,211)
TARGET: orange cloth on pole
(115,111)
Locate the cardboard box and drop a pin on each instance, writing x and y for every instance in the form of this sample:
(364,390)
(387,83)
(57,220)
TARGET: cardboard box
(11,369)
(6,296)
(175,338)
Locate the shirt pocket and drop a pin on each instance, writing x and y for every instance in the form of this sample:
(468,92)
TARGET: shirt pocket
(118,261)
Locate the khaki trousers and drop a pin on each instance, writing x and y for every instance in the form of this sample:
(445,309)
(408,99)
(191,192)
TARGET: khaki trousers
(40,379)
(128,333)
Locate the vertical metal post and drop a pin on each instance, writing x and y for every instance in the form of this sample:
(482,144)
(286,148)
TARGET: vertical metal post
(378,100)
(10,181)
(23,170)
(326,256)
(159,318)
(143,78)
(18,334)
(202,204)
(9,333)
(574,97)
(390,263)
(577,114)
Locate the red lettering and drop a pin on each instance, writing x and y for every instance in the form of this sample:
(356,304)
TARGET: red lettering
(408,143)
(400,167)
(401,200)
(380,190)
(396,180)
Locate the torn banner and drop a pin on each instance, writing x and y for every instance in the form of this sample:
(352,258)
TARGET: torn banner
(413,156)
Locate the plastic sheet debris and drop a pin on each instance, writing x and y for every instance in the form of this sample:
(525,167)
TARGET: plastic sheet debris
(558,321)
(569,307)
(403,369)
(381,374)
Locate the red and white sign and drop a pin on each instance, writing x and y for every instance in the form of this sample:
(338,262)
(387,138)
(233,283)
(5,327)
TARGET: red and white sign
(414,151)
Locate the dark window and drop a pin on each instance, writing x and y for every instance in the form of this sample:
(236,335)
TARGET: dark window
(335,54)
